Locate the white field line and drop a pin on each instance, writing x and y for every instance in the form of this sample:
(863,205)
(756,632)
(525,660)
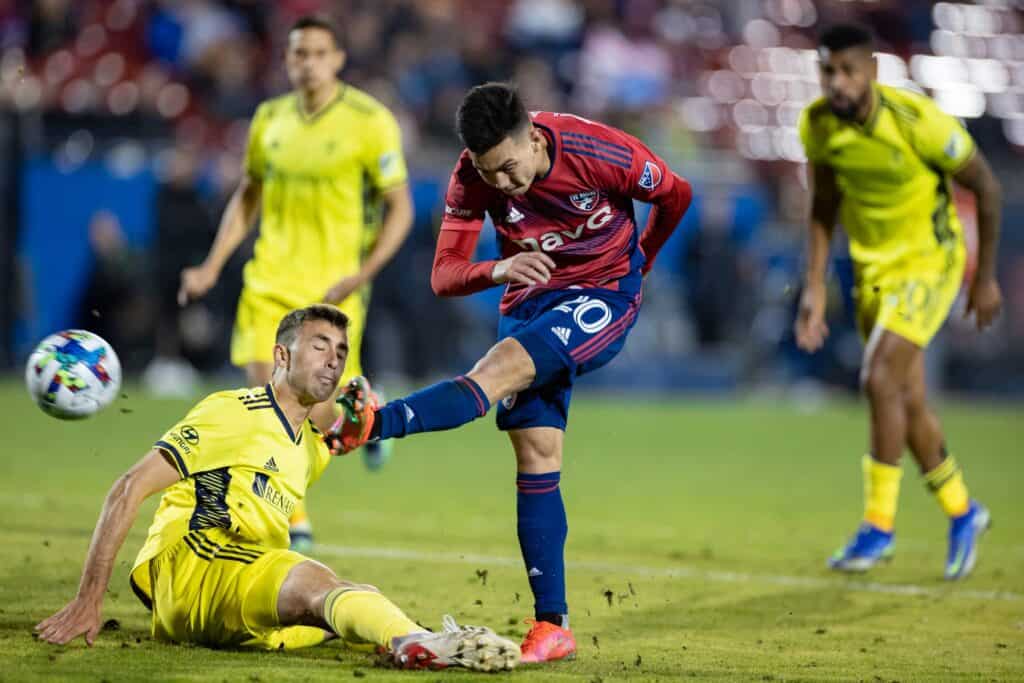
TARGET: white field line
(629,570)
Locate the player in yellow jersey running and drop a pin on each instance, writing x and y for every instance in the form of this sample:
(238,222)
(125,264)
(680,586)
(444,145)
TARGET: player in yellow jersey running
(215,569)
(881,161)
(320,160)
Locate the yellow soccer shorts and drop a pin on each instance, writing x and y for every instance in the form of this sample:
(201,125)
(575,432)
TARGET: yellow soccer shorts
(913,298)
(257,318)
(210,589)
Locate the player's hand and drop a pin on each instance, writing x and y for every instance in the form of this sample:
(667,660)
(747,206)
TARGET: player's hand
(343,289)
(195,283)
(80,616)
(985,300)
(527,268)
(810,328)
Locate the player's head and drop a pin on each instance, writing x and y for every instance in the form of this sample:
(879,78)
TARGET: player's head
(313,56)
(503,144)
(848,67)
(310,350)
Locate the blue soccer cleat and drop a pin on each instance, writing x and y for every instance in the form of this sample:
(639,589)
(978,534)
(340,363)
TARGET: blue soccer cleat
(868,547)
(964,533)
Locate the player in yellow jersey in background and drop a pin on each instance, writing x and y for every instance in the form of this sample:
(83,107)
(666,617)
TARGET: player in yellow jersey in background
(320,162)
(215,569)
(881,161)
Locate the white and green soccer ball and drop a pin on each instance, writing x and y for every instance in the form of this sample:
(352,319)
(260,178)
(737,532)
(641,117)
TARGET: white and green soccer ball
(73,374)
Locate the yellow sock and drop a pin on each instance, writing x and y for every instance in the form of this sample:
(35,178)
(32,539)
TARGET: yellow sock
(881,492)
(300,518)
(947,483)
(362,616)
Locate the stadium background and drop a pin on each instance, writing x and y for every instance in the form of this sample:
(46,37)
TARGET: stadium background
(699,528)
(124,123)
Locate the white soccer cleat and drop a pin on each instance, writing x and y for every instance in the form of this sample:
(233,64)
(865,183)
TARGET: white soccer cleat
(472,647)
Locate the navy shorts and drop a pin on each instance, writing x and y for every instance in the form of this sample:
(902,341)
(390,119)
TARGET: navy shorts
(568,333)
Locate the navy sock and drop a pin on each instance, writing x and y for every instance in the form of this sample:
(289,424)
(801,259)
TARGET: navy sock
(441,406)
(542,531)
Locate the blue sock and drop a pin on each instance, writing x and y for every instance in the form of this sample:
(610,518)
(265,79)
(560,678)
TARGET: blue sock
(542,531)
(441,406)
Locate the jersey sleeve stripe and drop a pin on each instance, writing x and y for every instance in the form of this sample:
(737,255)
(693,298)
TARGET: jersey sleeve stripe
(179,462)
(611,160)
(595,140)
(599,150)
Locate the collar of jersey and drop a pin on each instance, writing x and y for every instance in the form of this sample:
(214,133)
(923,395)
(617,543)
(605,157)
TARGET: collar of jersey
(876,107)
(311,118)
(281,416)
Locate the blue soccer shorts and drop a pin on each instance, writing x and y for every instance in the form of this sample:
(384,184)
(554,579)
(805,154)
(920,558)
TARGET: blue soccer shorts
(567,333)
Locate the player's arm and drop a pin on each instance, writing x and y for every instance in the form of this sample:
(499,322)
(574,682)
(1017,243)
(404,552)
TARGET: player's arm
(398,216)
(151,474)
(456,274)
(238,219)
(667,210)
(810,328)
(984,297)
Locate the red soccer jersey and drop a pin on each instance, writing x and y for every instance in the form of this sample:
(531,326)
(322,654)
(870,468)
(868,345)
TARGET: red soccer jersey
(580,213)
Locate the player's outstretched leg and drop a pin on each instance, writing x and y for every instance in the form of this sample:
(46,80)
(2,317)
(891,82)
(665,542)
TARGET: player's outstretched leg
(311,594)
(505,369)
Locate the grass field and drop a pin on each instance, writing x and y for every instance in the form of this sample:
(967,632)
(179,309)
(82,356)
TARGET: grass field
(698,534)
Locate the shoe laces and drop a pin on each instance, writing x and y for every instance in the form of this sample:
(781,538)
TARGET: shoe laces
(449,625)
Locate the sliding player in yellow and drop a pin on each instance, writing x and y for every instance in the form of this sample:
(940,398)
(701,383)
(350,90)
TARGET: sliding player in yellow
(320,161)
(216,569)
(881,161)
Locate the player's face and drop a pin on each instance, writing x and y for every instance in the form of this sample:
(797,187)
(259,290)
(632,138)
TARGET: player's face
(317,359)
(846,78)
(511,165)
(312,59)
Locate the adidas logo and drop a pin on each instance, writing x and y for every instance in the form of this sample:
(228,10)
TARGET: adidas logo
(271,466)
(534,572)
(563,334)
(514,215)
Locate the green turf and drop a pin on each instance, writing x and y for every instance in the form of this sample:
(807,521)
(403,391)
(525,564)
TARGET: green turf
(744,500)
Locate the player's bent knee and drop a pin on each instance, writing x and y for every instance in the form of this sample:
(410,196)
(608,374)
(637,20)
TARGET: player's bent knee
(505,369)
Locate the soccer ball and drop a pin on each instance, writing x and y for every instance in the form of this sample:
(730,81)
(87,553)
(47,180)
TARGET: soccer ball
(73,374)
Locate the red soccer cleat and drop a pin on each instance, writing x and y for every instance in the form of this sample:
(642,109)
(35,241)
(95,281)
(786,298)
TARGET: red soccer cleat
(351,430)
(547,643)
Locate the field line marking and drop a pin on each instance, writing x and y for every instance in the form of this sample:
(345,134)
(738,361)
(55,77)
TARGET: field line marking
(717,576)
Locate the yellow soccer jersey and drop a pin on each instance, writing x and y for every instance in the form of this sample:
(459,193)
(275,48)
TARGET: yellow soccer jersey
(242,469)
(893,173)
(321,176)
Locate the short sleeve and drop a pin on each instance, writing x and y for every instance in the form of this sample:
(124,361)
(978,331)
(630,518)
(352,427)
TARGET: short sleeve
(383,158)
(622,163)
(940,139)
(467,198)
(812,143)
(206,437)
(255,160)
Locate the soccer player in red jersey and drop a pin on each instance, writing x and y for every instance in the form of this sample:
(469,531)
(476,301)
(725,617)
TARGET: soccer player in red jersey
(559,190)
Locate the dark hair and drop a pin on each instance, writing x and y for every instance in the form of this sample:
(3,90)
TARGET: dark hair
(317,21)
(288,329)
(844,36)
(488,114)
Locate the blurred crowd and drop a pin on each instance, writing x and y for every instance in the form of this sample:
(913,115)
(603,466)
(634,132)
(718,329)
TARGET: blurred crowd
(715,87)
